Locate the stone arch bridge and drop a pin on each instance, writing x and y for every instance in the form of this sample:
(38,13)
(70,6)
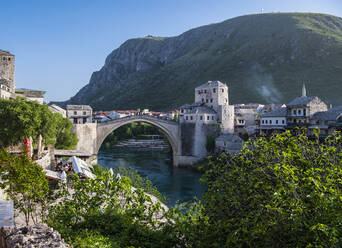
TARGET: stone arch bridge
(92,135)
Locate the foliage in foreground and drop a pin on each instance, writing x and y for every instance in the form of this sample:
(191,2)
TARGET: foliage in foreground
(105,212)
(137,181)
(20,119)
(281,192)
(25,183)
(284,191)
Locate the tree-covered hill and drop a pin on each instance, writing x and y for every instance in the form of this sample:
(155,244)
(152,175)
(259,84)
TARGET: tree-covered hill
(263,58)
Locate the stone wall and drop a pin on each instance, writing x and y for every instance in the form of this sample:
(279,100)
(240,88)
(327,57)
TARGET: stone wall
(194,140)
(87,137)
(30,236)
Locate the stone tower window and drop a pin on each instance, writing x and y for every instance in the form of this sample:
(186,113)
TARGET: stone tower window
(222,90)
(9,59)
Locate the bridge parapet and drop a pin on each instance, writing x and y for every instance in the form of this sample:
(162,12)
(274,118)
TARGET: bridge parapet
(134,117)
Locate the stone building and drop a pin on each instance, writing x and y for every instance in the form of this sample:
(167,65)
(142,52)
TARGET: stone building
(301,109)
(56,109)
(273,122)
(228,143)
(299,112)
(29,94)
(327,121)
(211,106)
(79,114)
(5,92)
(7,70)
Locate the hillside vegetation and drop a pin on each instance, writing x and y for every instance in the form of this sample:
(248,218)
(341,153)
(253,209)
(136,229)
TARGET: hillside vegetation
(263,58)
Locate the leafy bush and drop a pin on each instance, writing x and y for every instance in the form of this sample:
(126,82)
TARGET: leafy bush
(106,211)
(25,183)
(281,192)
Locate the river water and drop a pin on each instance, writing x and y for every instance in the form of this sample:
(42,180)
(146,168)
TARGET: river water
(177,184)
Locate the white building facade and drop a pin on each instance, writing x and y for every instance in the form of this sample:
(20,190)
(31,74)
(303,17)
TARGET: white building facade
(79,114)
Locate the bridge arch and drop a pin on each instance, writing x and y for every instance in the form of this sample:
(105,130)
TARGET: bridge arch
(169,128)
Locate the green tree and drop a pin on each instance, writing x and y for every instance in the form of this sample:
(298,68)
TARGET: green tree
(20,119)
(65,138)
(26,184)
(284,191)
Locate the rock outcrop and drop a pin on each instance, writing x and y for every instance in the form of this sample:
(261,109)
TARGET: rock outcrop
(30,236)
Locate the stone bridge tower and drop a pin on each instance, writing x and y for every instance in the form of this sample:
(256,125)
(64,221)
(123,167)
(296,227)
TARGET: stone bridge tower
(7,69)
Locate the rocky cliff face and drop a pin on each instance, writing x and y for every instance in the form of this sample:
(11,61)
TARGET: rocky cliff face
(263,58)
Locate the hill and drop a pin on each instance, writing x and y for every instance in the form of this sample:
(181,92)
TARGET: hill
(263,58)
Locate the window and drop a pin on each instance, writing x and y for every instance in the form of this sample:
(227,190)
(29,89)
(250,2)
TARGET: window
(186,118)
(182,110)
(199,92)
(214,90)
(75,112)
(211,100)
(190,117)
(263,122)
(222,90)
(294,112)
(206,100)
(270,121)
(212,118)
(75,120)
(84,113)
(9,59)
(299,111)
(205,91)
(283,121)
(226,100)
(201,117)
(276,121)
(202,99)
(266,122)
(208,117)
(84,120)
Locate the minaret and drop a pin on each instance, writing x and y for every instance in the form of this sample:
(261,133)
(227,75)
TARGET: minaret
(303,91)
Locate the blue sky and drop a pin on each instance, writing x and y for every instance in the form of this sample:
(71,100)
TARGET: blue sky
(58,44)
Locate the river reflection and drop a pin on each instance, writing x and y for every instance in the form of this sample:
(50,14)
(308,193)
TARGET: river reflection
(177,184)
